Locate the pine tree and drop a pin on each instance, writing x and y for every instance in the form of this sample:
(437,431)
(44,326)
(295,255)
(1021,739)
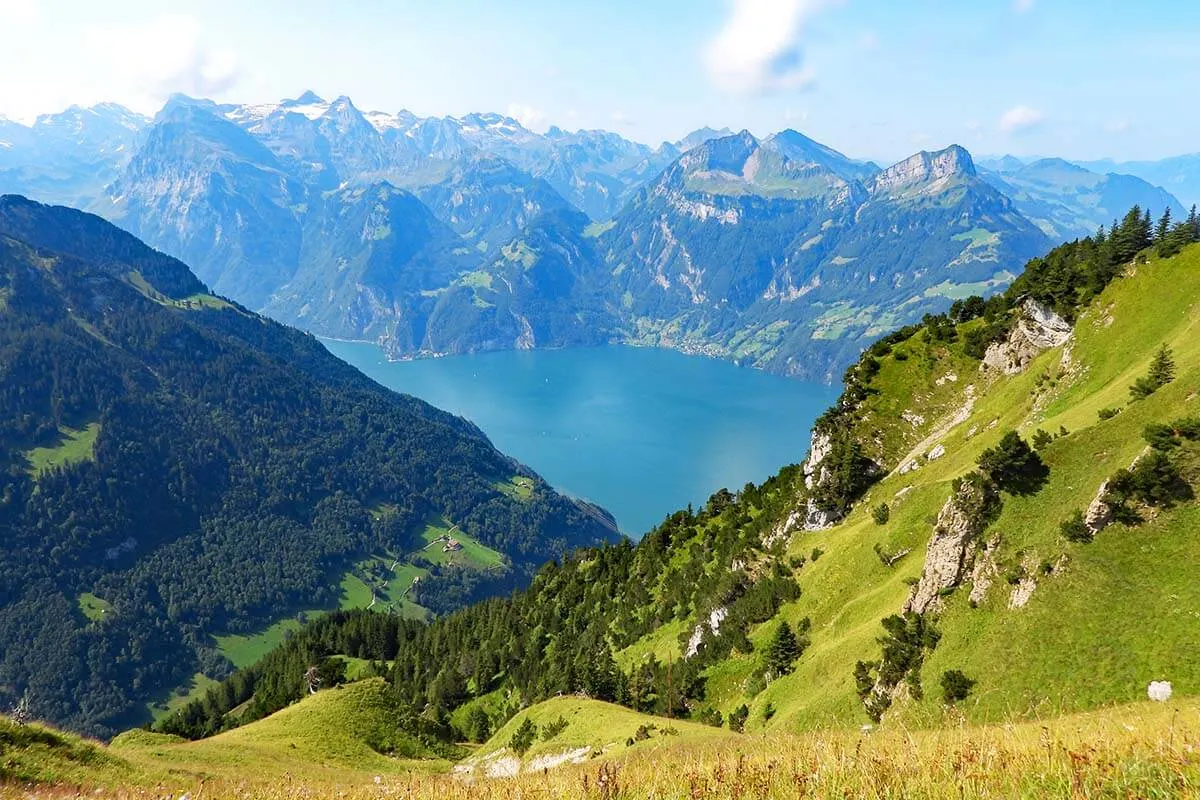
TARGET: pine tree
(1162,368)
(783,650)
(1162,372)
(1013,465)
(1163,228)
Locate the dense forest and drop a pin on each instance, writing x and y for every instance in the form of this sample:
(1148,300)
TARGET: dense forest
(561,634)
(175,466)
(567,631)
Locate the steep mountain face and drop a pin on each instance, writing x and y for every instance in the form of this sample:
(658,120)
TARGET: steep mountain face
(599,171)
(178,467)
(373,259)
(205,191)
(787,255)
(1067,201)
(542,290)
(488,201)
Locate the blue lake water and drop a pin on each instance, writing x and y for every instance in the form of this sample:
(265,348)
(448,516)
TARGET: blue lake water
(640,431)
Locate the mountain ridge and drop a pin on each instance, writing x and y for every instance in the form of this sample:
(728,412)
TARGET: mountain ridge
(179,469)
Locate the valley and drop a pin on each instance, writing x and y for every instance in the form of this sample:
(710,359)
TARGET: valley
(398,401)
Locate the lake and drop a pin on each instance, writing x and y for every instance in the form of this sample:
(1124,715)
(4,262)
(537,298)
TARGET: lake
(640,431)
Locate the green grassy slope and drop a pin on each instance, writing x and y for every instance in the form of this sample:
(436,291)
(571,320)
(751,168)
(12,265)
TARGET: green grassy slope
(345,731)
(1121,610)
(1136,750)
(593,729)
(42,755)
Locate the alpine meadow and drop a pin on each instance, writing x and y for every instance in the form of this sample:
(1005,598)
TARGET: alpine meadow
(235,565)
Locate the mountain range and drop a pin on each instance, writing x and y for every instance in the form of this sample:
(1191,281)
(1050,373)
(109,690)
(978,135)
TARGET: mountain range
(444,235)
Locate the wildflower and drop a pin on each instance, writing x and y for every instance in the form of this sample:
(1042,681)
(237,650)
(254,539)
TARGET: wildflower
(378,780)
(868,728)
(1159,690)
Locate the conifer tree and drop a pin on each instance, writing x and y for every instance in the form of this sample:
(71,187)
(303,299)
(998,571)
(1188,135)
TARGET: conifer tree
(783,650)
(1163,228)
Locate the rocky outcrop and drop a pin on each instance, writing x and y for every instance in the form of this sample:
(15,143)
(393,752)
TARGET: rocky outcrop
(710,625)
(1037,329)
(1099,514)
(984,571)
(784,529)
(952,548)
(820,446)
(1023,589)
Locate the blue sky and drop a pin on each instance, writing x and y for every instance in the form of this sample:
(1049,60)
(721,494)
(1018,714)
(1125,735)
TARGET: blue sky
(874,78)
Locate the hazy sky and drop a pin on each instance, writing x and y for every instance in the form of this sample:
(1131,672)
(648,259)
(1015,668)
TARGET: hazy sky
(873,78)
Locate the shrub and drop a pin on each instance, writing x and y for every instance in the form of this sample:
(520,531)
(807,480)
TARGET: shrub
(955,686)
(523,738)
(1160,437)
(1075,529)
(816,553)
(1013,466)
(710,716)
(642,733)
(881,514)
(1161,372)
(738,717)
(1188,427)
(1107,413)
(479,725)
(554,728)
(768,711)
(1041,439)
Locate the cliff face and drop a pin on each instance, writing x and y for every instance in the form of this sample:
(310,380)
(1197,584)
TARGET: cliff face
(924,173)
(1038,329)
(952,549)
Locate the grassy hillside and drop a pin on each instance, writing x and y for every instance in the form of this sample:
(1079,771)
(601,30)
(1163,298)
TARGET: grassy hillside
(340,734)
(1113,616)
(1137,750)
(574,730)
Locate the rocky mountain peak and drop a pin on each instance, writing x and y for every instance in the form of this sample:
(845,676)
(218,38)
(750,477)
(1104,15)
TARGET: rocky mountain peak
(925,170)
(726,154)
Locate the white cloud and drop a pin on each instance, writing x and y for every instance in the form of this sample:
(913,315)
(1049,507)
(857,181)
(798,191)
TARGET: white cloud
(1118,126)
(973,125)
(530,117)
(1022,6)
(1020,118)
(154,59)
(869,41)
(18,12)
(758,49)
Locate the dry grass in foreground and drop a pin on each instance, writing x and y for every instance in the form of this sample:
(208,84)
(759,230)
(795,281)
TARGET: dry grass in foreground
(1136,751)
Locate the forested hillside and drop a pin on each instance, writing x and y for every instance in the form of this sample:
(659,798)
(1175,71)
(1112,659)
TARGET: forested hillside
(177,467)
(993,484)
